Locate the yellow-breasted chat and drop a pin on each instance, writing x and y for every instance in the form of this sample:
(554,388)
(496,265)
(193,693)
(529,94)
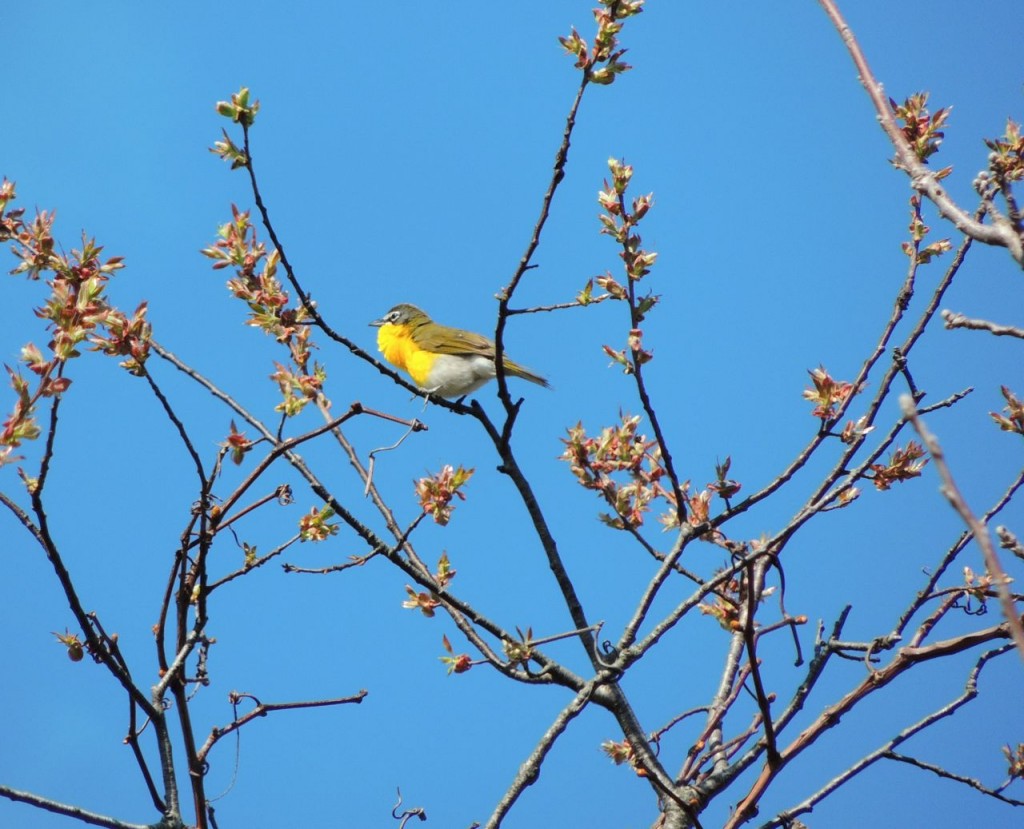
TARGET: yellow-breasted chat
(441,360)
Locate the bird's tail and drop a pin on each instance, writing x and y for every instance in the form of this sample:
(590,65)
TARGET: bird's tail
(516,370)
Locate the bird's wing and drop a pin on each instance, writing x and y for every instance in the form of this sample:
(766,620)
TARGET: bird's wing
(445,340)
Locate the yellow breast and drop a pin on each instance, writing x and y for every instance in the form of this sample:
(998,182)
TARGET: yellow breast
(401,351)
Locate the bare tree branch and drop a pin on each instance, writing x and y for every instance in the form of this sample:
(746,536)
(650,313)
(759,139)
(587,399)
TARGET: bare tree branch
(956,320)
(905,659)
(84,815)
(785,818)
(948,775)
(264,708)
(978,529)
(530,768)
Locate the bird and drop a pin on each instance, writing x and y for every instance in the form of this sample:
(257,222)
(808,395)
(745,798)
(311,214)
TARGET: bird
(443,361)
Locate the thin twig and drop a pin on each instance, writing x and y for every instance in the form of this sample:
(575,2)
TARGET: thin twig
(754,584)
(530,769)
(132,738)
(785,818)
(978,529)
(905,659)
(901,353)
(956,320)
(307,302)
(179,426)
(730,685)
(414,426)
(558,306)
(1009,541)
(78,813)
(505,295)
(406,814)
(295,460)
(281,494)
(950,556)
(948,775)
(256,563)
(285,448)
(51,434)
(899,308)
(264,708)
(171,675)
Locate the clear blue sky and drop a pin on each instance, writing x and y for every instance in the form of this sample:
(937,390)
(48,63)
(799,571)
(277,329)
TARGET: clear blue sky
(403,150)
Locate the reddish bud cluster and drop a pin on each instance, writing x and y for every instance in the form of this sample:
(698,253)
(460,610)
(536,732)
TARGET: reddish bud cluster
(903,465)
(229,151)
(435,493)
(855,430)
(1015,759)
(237,443)
(918,230)
(1006,161)
(520,652)
(621,753)
(978,587)
(922,130)
(256,283)
(726,602)
(828,395)
(1014,421)
(126,337)
(724,611)
(456,663)
(297,389)
(619,449)
(11,221)
(602,63)
(698,507)
(723,486)
(76,312)
(445,572)
(315,525)
(633,355)
(620,222)
(427,602)
(424,602)
(21,425)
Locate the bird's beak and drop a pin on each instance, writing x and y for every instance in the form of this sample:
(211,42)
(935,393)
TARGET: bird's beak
(377,323)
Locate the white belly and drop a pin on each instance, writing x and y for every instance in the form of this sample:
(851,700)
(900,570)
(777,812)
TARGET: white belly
(454,376)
